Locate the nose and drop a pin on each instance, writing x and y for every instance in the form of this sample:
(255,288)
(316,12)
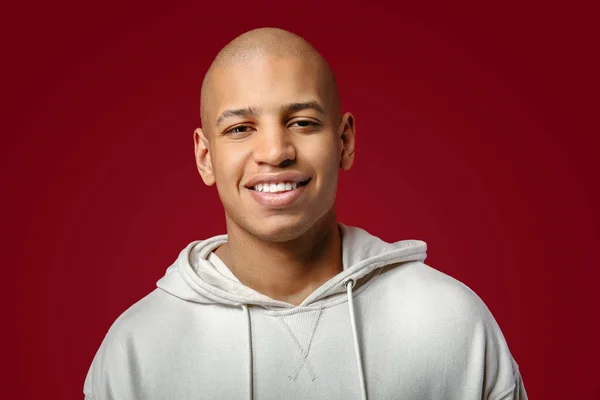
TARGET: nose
(274,146)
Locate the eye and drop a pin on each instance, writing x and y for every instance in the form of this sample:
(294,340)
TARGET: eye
(238,130)
(304,123)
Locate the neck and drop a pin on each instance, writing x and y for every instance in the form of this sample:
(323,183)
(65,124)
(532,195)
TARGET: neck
(288,271)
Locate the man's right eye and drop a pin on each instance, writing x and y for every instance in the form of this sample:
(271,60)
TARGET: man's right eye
(238,129)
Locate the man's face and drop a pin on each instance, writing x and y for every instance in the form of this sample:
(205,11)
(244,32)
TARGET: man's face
(273,144)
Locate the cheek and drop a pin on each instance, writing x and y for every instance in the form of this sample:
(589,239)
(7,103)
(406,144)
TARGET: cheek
(228,168)
(326,156)
(325,162)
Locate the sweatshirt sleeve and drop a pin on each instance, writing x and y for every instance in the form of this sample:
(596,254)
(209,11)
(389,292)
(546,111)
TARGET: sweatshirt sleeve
(518,392)
(490,360)
(502,374)
(111,374)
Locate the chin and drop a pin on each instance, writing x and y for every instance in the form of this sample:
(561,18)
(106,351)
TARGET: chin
(279,231)
(279,228)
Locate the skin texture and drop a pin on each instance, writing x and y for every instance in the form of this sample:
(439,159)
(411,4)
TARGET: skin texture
(284,252)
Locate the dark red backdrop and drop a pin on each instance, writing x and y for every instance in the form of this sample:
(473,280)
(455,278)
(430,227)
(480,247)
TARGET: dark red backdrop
(475,133)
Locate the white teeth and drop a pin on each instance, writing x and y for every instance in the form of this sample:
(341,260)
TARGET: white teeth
(275,187)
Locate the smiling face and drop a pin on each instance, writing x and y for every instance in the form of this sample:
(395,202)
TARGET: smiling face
(273,140)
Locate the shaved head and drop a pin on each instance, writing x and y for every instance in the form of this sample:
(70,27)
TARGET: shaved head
(265,43)
(270,109)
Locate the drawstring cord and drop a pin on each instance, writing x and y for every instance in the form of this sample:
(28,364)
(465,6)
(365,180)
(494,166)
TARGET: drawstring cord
(250,362)
(349,283)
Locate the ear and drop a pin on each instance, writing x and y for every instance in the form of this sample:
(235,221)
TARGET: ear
(346,135)
(203,159)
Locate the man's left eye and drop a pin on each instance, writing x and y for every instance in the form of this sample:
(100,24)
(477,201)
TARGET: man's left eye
(304,123)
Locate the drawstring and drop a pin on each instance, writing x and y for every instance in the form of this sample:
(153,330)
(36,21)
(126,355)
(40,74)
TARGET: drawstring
(250,373)
(349,283)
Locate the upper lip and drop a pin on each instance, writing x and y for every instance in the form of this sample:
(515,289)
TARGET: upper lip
(288,176)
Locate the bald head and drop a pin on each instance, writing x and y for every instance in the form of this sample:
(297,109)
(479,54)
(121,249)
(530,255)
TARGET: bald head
(264,43)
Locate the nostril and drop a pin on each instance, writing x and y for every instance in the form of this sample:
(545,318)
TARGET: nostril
(286,163)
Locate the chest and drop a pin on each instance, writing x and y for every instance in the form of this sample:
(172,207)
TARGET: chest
(307,355)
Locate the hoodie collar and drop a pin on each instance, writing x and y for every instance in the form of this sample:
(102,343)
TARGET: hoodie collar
(193,278)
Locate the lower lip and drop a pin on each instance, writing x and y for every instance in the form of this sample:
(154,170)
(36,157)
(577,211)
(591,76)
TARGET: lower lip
(277,200)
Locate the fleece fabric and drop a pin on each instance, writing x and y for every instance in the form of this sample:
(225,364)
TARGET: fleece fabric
(387,327)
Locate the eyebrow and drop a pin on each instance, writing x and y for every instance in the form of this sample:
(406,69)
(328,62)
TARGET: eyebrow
(309,105)
(254,111)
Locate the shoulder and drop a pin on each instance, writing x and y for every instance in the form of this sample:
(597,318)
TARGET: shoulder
(142,316)
(138,328)
(419,280)
(435,312)
(145,311)
(430,295)
(147,318)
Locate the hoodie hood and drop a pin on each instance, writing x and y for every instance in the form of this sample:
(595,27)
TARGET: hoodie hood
(193,278)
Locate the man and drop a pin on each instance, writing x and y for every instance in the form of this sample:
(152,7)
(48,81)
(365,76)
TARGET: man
(291,304)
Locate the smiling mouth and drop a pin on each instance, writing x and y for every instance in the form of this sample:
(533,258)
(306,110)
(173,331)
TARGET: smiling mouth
(278,187)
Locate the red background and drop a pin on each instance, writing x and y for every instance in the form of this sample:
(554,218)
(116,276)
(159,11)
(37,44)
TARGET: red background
(475,133)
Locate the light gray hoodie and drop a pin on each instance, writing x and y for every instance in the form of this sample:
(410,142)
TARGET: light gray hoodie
(387,327)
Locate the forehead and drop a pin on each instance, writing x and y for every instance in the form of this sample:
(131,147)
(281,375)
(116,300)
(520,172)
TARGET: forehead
(267,83)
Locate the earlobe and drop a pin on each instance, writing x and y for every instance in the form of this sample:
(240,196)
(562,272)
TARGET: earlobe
(347,132)
(203,158)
